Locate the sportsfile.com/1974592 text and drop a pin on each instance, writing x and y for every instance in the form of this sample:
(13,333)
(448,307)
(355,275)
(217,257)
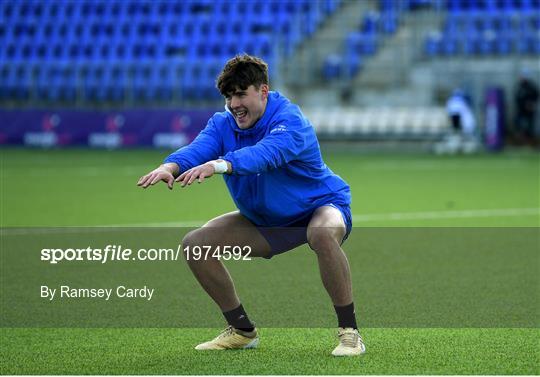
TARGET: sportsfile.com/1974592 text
(117,253)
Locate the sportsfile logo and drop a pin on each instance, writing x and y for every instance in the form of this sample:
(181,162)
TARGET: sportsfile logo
(115,253)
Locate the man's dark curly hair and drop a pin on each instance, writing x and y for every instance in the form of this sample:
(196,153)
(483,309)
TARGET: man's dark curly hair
(241,72)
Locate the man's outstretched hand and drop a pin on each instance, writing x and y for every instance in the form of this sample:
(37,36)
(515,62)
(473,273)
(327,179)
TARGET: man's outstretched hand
(166,173)
(163,173)
(198,172)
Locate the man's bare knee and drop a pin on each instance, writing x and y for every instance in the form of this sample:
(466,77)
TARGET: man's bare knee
(322,240)
(191,239)
(198,237)
(326,230)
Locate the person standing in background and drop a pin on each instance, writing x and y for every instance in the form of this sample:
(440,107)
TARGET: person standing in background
(462,136)
(526,102)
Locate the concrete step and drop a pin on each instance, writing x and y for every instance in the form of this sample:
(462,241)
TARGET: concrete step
(305,66)
(398,53)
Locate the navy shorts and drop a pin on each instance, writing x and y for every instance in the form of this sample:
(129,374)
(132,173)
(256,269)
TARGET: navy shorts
(282,239)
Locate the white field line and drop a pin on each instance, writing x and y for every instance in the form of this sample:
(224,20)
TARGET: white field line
(404,216)
(463,214)
(396,216)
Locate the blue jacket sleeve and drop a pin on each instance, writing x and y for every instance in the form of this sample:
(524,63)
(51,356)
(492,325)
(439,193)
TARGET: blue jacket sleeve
(206,146)
(284,143)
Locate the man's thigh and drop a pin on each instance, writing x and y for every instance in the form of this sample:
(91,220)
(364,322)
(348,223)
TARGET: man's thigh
(325,220)
(330,220)
(233,229)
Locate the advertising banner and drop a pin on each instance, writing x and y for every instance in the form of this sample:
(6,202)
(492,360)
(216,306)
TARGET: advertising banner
(494,119)
(101,129)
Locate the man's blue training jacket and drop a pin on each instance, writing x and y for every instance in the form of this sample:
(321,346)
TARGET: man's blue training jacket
(278,174)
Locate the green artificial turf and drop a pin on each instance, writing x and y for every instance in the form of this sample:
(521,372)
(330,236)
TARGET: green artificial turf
(84,187)
(282,351)
(430,303)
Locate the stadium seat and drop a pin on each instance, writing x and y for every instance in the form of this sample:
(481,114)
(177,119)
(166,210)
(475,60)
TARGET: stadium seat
(432,44)
(333,67)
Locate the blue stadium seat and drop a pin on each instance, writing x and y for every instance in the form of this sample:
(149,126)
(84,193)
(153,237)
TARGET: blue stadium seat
(470,43)
(17,82)
(486,45)
(449,45)
(333,67)
(92,78)
(503,44)
(113,83)
(389,22)
(432,45)
(4,78)
(354,65)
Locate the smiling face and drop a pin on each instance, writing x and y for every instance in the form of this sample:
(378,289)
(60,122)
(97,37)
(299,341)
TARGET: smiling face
(247,105)
(244,84)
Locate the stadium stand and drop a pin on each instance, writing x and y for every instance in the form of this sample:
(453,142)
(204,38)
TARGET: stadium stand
(111,54)
(143,51)
(497,27)
(360,44)
(472,27)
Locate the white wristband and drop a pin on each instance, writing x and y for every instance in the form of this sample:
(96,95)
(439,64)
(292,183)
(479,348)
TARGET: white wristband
(220,167)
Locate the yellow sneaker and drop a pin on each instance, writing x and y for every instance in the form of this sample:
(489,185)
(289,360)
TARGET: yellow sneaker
(350,343)
(230,339)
